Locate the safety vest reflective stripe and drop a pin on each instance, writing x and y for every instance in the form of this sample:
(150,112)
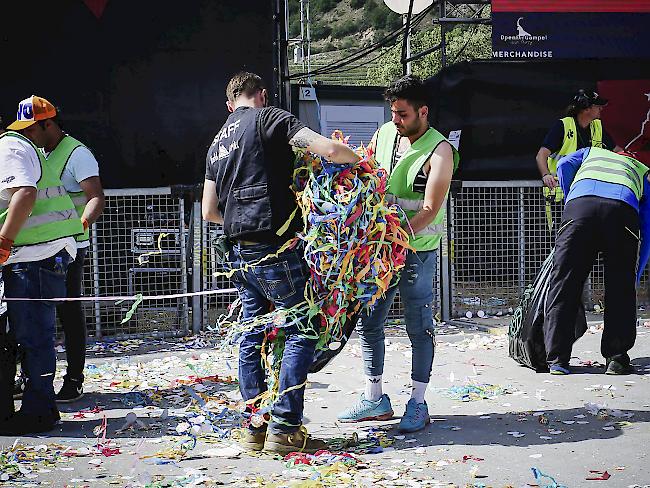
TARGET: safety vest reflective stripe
(58,159)
(431,229)
(416,206)
(42,194)
(49,217)
(632,173)
(53,215)
(79,200)
(594,170)
(609,167)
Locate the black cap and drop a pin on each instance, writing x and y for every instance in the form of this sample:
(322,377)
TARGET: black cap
(587,98)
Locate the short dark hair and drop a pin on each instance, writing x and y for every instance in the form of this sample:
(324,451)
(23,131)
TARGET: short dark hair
(409,88)
(243,83)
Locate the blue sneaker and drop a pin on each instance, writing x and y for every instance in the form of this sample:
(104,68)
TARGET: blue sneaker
(415,418)
(559,369)
(368,410)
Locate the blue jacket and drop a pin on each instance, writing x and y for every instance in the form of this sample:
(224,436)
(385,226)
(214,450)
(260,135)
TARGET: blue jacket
(568,166)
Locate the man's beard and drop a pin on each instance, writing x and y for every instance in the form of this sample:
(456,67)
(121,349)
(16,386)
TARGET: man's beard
(408,131)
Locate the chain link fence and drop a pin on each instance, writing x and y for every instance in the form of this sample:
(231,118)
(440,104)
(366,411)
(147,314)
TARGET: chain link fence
(138,246)
(498,238)
(501,234)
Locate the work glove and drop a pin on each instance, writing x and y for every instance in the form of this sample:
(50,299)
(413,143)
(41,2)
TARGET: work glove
(5,248)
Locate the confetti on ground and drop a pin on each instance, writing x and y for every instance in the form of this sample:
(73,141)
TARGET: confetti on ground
(473,392)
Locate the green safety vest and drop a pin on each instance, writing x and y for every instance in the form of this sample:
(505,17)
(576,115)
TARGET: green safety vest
(603,165)
(570,142)
(58,159)
(402,176)
(569,145)
(53,215)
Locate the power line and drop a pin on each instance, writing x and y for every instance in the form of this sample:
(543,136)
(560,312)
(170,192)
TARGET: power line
(355,56)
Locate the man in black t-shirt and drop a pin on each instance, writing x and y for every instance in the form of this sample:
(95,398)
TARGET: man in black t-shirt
(249,171)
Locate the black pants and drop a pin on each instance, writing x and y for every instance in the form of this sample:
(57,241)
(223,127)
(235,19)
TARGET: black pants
(7,368)
(590,225)
(73,319)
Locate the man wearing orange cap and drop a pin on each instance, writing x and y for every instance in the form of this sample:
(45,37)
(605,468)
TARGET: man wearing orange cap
(79,172)
(38,223)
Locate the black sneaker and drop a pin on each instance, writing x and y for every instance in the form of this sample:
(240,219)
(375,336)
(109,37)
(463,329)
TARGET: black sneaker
(72,390)
(618,368)
(19,387)
(21,424)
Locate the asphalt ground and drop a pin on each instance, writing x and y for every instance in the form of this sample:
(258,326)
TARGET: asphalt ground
(569,427)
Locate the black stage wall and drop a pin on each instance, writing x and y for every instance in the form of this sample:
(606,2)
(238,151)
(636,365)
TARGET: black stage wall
(504,109)
(141,82)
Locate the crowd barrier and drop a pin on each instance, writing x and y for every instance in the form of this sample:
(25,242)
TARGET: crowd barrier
(153,242)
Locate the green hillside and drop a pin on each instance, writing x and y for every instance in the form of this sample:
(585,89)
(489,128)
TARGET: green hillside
(339,28)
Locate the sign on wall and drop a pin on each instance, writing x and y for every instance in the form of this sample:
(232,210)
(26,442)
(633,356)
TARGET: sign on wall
(565,29)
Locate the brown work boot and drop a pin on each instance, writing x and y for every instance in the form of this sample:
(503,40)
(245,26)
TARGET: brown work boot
(252,440)
(298,441)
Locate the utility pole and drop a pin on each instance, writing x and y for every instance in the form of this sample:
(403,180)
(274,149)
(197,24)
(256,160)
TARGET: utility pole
(302,44)
(407,8)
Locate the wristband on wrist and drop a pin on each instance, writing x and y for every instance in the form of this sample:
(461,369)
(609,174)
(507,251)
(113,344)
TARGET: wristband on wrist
(545,175)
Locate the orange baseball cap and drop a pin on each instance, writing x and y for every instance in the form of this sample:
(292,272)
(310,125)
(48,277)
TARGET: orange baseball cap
(30,111)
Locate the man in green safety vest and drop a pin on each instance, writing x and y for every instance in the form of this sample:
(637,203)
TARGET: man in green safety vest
(420,163)
(580,128)
(607,210)
(38,224)
(79,173)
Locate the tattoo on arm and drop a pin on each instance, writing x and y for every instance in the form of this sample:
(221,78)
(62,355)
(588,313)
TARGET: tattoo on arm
(303,138)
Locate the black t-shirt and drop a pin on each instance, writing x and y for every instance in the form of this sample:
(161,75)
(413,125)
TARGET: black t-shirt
(252,164)
(555,137)
(276,128)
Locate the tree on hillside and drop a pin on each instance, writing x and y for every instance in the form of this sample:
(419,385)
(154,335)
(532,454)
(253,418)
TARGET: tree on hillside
(464,43)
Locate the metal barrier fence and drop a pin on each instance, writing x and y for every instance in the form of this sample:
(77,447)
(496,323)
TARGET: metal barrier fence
(214,305)
(497,240)
(138,246)
(500,237)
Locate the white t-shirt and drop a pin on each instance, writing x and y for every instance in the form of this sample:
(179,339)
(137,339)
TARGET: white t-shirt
(81,165)
(19,166)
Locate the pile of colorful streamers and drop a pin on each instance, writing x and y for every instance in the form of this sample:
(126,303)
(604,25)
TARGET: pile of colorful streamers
(354,242)
(354,246)
(320,457)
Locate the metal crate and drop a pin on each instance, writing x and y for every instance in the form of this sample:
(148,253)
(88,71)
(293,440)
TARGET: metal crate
(138,246)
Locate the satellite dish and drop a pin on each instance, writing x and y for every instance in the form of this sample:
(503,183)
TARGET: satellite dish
(402,6)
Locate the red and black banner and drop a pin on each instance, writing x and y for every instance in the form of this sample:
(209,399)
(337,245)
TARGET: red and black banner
(504,110)
(627,115)
(569,29)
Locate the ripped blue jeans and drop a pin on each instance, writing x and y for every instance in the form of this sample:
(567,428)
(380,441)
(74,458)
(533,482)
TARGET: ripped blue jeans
(416,285)
(281,282)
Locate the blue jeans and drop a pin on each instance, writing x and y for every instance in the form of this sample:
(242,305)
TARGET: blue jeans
(279,282)
(33,324)
(416,284)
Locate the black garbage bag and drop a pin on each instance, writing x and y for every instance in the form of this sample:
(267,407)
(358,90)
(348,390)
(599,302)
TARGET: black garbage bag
(526,331)
(324,356)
